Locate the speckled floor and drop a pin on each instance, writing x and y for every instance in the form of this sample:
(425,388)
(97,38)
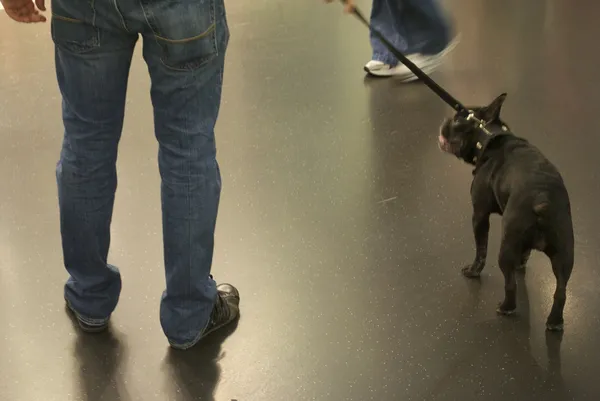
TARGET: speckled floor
(341,222)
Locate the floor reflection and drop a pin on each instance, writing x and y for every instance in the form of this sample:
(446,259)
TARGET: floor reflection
(101,365)
(194,374)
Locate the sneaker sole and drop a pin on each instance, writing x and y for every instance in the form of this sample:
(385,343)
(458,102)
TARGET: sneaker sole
(87,328)
(384,74)
(374,74)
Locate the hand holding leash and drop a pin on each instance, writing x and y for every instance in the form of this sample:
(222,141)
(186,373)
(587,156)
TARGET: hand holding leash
(438,90)
(348,5)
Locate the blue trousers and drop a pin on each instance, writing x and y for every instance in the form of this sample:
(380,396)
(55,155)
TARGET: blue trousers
(184,45)
(413,26)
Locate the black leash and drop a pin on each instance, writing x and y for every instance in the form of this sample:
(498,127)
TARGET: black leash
(438,90)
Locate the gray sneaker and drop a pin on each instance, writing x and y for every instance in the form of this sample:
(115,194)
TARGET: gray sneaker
(225,311)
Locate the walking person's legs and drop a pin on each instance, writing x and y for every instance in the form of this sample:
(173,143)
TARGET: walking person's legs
(185,52)
(92,65)
(386,17)
(428,26)
(418,28)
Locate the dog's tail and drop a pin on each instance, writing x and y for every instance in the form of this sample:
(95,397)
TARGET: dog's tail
(555,227)
(541,204)
(548,206)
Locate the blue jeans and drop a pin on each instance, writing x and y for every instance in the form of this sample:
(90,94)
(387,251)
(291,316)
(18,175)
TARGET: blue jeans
(412,26)
(184,45)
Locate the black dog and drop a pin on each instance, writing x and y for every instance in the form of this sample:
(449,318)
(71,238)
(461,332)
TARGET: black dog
(513,179)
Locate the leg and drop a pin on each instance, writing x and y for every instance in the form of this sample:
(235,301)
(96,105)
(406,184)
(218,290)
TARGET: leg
(524,259)
(186,67)
(562,266)
(509,259)
(481,228)
(386,17)
(427,26)
(92,70)
(418,28)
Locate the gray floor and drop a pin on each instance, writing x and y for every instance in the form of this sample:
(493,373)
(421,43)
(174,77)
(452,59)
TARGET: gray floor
(341,222)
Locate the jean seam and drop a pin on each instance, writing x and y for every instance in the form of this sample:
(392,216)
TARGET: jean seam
(120,16)
(215,19)
(189,201)
(67,19)
(191,70)
(210,30)
(96,41)
(93,5)
(190,344)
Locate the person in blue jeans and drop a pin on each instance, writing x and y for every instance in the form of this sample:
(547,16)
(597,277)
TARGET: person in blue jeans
(184,46)
(418,28)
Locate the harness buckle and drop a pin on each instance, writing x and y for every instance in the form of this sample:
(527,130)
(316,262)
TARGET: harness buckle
(479,123)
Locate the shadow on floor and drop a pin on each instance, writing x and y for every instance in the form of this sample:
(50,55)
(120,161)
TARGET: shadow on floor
(191,375)
(507,345)
(194,374)
(100,358)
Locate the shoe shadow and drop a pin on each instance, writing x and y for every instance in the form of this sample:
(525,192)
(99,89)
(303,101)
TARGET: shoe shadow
(194,374)
(373,80)
(100,358)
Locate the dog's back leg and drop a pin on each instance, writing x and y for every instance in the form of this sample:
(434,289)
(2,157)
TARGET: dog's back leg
(516,235)
(511,254)
(562,266)
(524,259)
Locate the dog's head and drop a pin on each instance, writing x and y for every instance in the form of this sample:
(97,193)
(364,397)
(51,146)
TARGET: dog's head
(459,137)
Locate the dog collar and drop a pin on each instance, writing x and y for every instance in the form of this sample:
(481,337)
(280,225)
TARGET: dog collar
(482,125)
(489,132)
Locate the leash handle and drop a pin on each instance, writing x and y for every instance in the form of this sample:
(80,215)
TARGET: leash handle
(437,89)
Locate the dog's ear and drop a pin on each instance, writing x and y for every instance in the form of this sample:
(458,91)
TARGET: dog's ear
(492,112)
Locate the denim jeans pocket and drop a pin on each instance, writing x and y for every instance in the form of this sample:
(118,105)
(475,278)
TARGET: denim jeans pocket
(185,30)
(74,33)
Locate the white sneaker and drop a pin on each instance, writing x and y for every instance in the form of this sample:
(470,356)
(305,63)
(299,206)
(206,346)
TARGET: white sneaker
(435,60)
(380,69)
(427,63)
(400,71)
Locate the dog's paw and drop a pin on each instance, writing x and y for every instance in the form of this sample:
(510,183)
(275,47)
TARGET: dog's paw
(505,311)
(470,272)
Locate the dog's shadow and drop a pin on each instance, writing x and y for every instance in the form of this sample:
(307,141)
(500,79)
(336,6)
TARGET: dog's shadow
(516,340)
(553,340)
(194,374)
